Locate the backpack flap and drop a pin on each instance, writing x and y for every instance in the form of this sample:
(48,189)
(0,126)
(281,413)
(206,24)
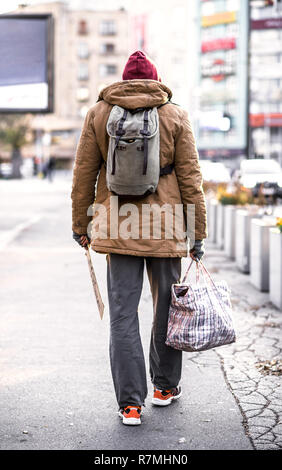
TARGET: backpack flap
(134,122)
(133,162)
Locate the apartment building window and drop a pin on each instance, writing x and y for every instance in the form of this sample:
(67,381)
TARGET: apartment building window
(108,27)
(82,94)
(83,111)
(208,8)
(232,30)
(231,56)
(232,5)
(107,69)
(82,73)
(82,27)
(107,49)
(83,50)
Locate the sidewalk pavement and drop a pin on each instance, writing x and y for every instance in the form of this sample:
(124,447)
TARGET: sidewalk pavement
(56,389)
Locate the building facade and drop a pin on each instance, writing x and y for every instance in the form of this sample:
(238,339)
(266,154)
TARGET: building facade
(167,32)
(266,80)
(90,51)
(222,85)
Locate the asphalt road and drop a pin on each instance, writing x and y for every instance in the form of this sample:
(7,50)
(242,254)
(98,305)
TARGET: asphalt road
(55,389)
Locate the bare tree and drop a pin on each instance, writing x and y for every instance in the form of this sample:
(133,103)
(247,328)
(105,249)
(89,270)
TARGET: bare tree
(13,131)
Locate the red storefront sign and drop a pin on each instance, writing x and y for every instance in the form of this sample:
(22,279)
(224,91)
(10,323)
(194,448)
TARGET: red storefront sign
(269,120)
(268,23)
(218,70)
(219,44)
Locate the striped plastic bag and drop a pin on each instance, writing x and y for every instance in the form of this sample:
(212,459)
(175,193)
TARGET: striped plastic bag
(200,315)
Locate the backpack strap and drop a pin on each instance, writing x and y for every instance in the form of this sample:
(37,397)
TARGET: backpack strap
(166,170)
(161,105)
(119,133)
(138,110)
(146,134)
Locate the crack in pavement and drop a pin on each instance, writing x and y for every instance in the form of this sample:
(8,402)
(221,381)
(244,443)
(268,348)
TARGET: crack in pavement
(245,419)
(258,396)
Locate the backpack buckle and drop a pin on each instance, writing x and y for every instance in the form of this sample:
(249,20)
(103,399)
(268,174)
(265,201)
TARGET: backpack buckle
(120,132)
(145,133)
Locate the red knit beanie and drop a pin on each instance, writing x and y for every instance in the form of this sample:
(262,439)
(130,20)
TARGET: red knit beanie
(140,66)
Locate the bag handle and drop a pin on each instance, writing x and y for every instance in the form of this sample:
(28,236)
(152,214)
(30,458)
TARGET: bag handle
(217,292)
(205,271)
(187,272)
(200,265)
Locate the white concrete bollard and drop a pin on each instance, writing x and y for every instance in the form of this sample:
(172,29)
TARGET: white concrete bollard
(259,253)
(208,199)
(212,219)
(275,267)
(229,230)
(242,242)
(220,226)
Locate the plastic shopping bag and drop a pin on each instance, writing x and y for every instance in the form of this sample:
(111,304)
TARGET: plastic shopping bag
(200,316)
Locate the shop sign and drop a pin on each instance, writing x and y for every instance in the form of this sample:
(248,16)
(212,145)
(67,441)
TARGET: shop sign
(268,23)
(218,70)
(215,121)
(269,120)
(219,44)
(219,18)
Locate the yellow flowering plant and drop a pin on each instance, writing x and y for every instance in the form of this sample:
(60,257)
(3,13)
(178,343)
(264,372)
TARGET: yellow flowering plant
(239,196)
(279,223)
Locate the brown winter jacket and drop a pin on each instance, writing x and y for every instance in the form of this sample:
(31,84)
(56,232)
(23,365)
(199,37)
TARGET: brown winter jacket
(183,185)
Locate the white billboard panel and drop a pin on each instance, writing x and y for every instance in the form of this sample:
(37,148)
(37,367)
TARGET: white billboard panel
(26,71)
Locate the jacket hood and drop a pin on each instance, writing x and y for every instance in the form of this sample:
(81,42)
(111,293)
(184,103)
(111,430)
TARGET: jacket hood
(132,94)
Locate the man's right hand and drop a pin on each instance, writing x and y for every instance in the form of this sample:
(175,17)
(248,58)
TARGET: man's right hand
(82,240)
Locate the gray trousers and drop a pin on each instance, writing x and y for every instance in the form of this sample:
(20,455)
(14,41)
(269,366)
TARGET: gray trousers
(125,280)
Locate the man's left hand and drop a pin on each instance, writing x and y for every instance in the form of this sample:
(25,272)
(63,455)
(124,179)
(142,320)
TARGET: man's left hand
(198,251)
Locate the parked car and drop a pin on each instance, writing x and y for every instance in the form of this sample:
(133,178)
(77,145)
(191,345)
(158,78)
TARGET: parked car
(215,172)
(5,170)
(26,169)
(260,174)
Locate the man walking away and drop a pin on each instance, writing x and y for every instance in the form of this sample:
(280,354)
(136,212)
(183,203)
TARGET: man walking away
(179,182)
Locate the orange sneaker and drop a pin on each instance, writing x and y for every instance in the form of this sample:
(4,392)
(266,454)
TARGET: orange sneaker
(131,415)
(166,397)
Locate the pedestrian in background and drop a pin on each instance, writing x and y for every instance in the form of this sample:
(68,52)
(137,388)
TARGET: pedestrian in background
(48,168)
(180,183)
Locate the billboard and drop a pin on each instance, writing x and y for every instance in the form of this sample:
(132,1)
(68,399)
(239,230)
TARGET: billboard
(26,70)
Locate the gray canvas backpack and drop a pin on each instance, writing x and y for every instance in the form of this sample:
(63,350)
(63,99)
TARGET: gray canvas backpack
(133,162)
